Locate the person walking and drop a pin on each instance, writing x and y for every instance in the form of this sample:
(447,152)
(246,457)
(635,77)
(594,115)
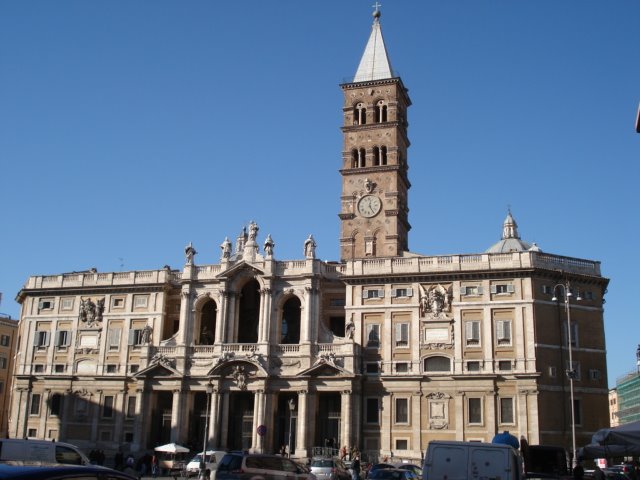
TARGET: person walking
(355,468)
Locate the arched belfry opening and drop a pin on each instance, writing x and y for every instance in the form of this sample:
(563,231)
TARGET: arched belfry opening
(208,318)
(290,326)
(249,312)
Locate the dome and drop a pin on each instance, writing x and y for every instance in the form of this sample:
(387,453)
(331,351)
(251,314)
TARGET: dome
(511,241)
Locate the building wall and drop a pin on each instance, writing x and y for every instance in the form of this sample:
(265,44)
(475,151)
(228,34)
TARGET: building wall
(8,339)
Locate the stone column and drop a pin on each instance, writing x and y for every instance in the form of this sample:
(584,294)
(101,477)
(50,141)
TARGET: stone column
(305,321)
(490,409)
(183,337)
(222,318)
(176,408)
(18,413)
(140,420)
(346,421)
(416,422)
(95,415)
(258,420)
(265,314)
(230,332)
(460,408)
(44,412)
(302,444)
(214,418)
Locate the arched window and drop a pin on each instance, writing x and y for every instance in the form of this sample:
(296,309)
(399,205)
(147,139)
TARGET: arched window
(208,316)
(360,114)
(376,156)
(362,158)
(437,364)
(354,158)
(383,155)
(290,331)
(249,313)
(381,112)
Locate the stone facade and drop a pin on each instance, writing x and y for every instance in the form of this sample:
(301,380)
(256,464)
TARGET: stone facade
(383,351)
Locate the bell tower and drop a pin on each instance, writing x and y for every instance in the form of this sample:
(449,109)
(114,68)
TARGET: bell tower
(375,185)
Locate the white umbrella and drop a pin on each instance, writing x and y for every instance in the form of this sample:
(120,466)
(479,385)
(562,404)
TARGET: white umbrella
(172,448)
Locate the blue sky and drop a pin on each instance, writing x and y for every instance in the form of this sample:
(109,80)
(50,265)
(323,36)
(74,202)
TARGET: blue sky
(130,128)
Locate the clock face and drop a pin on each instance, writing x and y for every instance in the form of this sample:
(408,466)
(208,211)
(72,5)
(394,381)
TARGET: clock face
(369,206)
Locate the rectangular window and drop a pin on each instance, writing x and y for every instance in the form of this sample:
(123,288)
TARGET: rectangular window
(111,368)
(58,368)
(504,365)
(128,437)
(552,372)
(38,368)
(473,366)
(588,295)
(475,411)
(402,367)
(5,340)
(1,386)
(402,444)
(35,404)
(55,405)
(402,334)
(131,406)
(506,411)
(574,334)
(105,435)
(41,339)
(107,407)
(3,363)
(45,304)
(32,433)
(594,375)
(113,339)
(503,332)
(471,290)
(134,368)
(62,338)
(373,410)
(577,410)
(547,290)
(135,337)
(502,288)
(402,292)
(573,370)
(372,293)
(373,335)
(66,304)
(117,302)
(372,368)
(472,332)
(402,410)
(140,301)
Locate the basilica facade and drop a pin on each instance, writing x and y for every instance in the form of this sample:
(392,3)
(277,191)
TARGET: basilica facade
(383,350)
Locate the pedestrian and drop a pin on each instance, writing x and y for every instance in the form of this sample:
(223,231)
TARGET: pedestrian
(154,466)
(118,460)
(598,474)
(355,468)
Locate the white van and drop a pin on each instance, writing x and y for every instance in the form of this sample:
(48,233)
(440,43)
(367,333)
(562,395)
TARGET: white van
(41,451)
(471,460)
(212,459)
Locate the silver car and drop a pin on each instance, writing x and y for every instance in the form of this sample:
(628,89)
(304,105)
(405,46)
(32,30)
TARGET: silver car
(247,466)
(329,469)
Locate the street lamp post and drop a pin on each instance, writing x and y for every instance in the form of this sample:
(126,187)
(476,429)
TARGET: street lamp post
(571,373)
(203,464)
(292,407)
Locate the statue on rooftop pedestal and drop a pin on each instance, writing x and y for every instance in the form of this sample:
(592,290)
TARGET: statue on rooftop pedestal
(310,247)
(189,253)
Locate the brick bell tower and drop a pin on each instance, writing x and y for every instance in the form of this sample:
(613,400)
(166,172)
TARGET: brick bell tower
(375,185)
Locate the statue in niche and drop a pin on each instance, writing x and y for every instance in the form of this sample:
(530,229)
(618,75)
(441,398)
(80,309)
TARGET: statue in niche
(226,248)
(189,253)
(147,333)
(350,328)
(434,301)
(310,247)
(268,246)
(240,377)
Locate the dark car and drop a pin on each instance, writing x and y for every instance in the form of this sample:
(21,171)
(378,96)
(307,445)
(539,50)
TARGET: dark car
(245,466)
(411,467)
(392,474)
(15,471)
(329,469)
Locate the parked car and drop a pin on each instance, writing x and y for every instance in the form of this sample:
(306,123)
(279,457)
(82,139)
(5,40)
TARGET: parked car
(392,474)
(21,471)
(329,469)
(246,466)
(377,466)
(41,451)
(212,458)
(411,467)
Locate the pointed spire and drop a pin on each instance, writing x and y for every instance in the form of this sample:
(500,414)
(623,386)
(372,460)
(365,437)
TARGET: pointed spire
(509,227)
(374,64)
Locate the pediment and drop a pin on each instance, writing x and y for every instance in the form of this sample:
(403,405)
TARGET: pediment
(324,368)
(159,367)
(241,268)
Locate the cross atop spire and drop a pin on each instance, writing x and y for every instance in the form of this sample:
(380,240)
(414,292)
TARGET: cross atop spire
(376,11)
